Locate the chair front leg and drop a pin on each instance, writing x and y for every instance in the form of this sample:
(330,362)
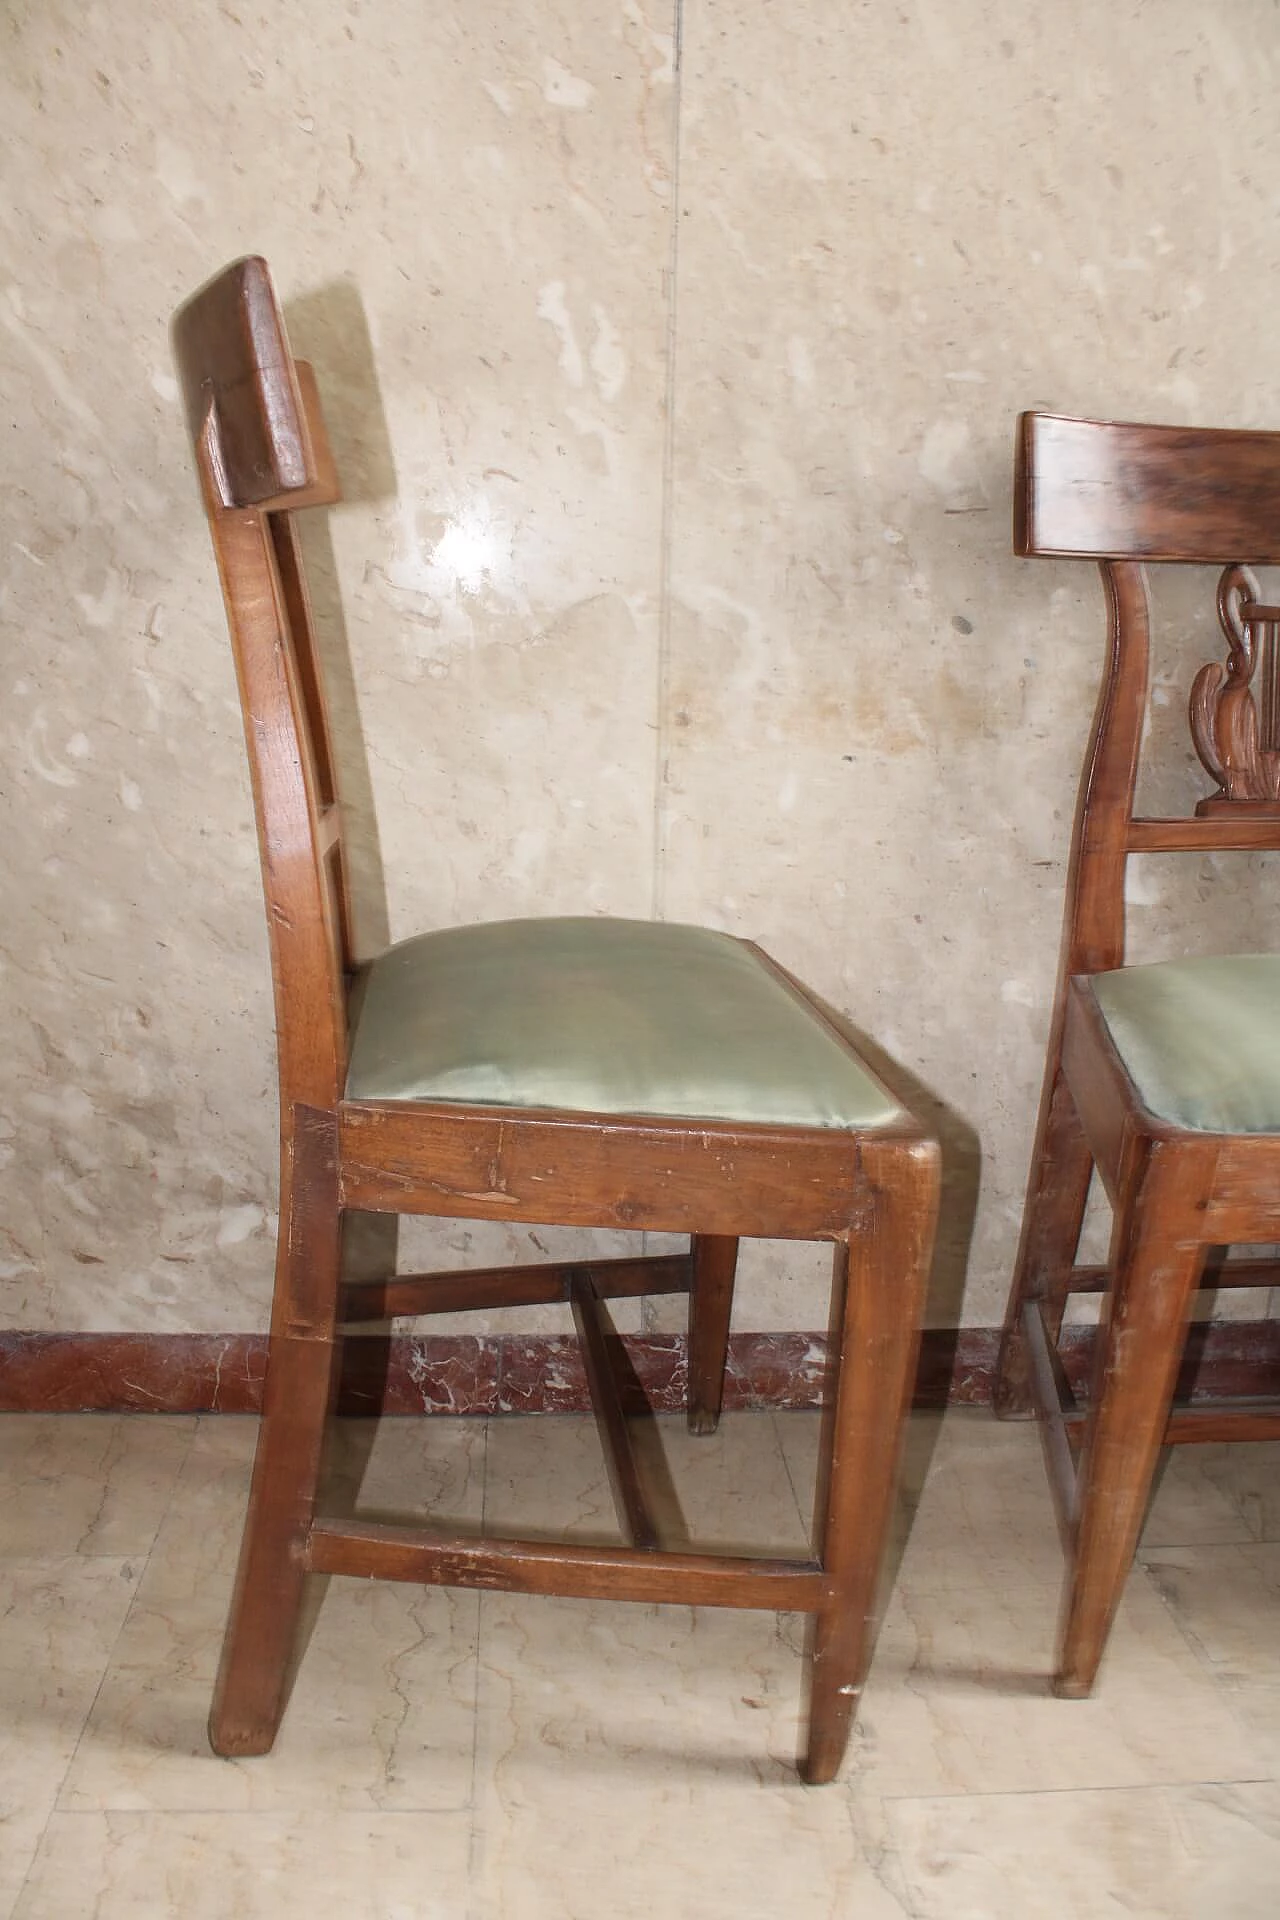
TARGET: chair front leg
(715,1261)
(1057,1194)
(250,1692)
(1156,1265)
(878,1293)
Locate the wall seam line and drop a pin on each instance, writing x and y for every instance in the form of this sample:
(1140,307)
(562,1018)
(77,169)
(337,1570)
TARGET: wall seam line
(658,892)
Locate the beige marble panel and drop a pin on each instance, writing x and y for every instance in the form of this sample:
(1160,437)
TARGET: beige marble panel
(674,570)
(468,213)
(479,1243)
(898,227)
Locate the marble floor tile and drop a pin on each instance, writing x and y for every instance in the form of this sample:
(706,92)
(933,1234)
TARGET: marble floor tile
(562,1840)
(726,1492)
(506,1757)
(958,1700)
(646,1750)
(94,1483)
(1227,1603)
(1256,1704)
(1247,1477)
(1173,1853)
(545,1475)
(203,1866)
(973,1502)
(383,1709)
(1210,1495)
(59,1618)
(631,1691)
(604,1685)
(733,1487)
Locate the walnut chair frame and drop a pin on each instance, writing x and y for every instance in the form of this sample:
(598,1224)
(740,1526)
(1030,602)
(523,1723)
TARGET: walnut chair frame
(1181,1195)
(261,452)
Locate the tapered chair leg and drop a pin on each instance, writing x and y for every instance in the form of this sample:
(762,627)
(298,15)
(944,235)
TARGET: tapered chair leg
(715,1261)
(250,1692)
(1155,1271)
(1057,1194)
(877,1297)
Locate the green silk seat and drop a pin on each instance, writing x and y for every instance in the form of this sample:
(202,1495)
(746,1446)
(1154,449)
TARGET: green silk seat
(602,1016)
(1200,1039)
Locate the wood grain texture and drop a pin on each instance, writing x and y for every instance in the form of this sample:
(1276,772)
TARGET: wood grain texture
(249,1694)
(557,1169)
(1156,1261)
(236,370)
(873,1343)
(1235,832)
(1109,489)
(538,1566)
(1234,704)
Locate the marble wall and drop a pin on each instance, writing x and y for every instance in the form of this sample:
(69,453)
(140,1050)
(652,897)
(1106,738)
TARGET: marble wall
(672,354)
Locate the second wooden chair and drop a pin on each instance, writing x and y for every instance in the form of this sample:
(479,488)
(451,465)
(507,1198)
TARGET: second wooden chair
(1165,1078)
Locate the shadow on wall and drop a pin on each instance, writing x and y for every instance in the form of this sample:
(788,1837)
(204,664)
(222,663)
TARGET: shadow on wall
(961,1176)
(328,327)
(961,1179)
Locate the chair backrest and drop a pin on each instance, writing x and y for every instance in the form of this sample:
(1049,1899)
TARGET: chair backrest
(1124,494)
(262,451)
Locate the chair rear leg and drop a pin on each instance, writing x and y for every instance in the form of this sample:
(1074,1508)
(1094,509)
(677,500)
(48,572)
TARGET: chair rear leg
(250,1692)
(1057,1194)
(715,1261)
(1155,1271)
(877,1297)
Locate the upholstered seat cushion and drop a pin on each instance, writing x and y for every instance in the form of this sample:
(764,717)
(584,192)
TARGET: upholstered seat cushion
(602,1016)
(1200,1039)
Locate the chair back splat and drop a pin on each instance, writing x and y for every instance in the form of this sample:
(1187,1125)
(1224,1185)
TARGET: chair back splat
(1164,1079)
(582,1072)
(262,452)
(1123,495)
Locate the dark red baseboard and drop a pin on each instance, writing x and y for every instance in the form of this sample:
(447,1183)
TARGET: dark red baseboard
(459,1373)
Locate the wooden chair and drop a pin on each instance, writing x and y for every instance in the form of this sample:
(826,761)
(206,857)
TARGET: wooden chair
(1166,1078)
(585,1072)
